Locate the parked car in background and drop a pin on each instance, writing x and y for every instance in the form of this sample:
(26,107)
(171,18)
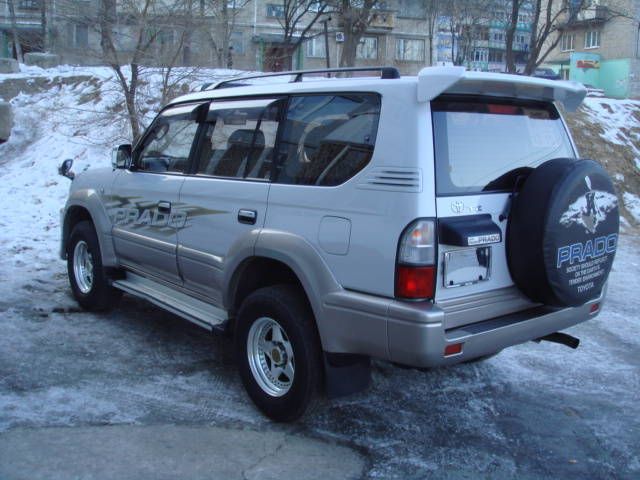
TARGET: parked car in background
(547,73)
(593,91)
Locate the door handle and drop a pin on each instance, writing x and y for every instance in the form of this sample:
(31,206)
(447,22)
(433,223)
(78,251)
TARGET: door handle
(164,207)
(247,216)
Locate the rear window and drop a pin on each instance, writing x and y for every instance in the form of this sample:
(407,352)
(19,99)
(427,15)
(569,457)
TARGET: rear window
(485,145)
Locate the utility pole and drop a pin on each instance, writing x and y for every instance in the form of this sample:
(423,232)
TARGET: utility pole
(326,42)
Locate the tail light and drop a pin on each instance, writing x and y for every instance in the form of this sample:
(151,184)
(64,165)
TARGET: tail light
(416,262)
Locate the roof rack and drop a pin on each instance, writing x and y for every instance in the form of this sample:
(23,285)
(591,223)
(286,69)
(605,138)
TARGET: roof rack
(386,73)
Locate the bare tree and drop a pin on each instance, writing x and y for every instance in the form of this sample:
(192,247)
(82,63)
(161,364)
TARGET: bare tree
(433,9)
(14,30)
(466,19)
(299,17)
(146,20)
(510,33)
(354,18)
(43,25)
(220,21)
(549,18)
(552,17)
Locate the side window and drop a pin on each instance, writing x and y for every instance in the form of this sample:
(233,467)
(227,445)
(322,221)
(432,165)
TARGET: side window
(167,145)
(327,139)
(239,139)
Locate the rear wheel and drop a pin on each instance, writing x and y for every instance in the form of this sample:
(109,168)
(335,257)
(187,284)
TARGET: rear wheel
(89,282)
(278,352)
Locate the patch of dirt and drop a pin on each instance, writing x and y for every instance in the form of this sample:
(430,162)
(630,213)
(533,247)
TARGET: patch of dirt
(12,87)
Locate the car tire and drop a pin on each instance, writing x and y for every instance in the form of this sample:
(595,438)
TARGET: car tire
(278,352)
(89,282)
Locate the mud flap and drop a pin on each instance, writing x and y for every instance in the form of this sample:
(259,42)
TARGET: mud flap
(346,374)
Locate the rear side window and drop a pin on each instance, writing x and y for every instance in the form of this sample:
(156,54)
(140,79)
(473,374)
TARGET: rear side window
(239,139)
(485,145)
(327,139)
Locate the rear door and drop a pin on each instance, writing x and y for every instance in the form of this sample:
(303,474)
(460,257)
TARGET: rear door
(226,196)
(143,206)
(483,148)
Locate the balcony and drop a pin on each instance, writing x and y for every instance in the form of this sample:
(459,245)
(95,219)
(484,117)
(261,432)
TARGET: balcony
(593,15)
(596,13)
(384,20)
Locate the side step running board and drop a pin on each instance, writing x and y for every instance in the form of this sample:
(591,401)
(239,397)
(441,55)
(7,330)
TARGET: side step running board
(187,307)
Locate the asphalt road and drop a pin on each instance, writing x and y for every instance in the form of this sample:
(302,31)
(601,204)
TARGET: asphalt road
(136,373)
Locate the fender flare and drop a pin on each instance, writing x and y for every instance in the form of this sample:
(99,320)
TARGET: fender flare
(296,253)
(90,200)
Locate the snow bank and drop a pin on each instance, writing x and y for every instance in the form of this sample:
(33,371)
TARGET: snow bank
(632,203)
(618,118)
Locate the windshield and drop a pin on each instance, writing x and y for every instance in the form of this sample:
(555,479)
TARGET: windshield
(485,145)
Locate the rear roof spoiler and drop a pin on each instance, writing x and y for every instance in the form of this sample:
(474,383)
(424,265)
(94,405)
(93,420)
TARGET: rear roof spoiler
(433,81)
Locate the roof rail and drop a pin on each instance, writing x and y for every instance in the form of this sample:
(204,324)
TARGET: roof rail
(385,73)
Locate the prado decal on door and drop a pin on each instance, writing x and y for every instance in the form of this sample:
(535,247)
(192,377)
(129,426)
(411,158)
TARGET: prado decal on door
(128,211)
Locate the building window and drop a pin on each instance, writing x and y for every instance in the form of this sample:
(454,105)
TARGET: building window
(317,6)
(275,10)
(592,39)
(481,55)
(498,36)
(316,47)
(81,36)
(367,48)
(29,5)
(411,9)
(410,50)
(236,42)
(567,42)
(496,56)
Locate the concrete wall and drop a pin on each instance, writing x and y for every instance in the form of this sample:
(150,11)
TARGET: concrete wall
(634,78)
(614,78)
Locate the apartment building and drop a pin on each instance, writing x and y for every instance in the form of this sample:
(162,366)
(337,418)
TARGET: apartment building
(600,46)
(397,35)
(480,43)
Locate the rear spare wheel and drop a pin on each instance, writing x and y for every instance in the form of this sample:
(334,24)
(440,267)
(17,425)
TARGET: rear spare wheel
(563,232)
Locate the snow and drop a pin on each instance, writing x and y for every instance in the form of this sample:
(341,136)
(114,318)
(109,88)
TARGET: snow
(632,204)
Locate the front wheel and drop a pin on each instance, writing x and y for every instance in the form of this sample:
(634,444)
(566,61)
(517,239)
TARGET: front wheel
(88,279)
(278,352)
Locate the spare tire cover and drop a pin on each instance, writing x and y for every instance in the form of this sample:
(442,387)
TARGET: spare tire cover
(562,233)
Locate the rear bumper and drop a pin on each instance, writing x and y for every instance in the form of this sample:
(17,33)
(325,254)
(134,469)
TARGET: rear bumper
(414,334)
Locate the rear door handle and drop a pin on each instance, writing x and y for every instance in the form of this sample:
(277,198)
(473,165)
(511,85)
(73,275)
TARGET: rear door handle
(247,216)
(164,207)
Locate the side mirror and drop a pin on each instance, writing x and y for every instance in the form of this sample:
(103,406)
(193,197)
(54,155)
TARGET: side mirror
(65,169)
(121,156)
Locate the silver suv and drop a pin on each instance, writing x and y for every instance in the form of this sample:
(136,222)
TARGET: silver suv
(426,220)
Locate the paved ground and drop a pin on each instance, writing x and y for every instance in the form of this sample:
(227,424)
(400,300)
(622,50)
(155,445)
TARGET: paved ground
(171,452)
(134,385)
